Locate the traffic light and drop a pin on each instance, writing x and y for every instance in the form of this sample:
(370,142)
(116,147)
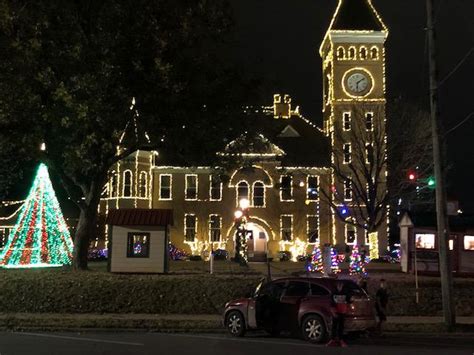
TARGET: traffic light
(431,182)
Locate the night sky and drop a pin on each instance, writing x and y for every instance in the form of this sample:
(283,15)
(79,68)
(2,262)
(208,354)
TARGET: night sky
(279,40)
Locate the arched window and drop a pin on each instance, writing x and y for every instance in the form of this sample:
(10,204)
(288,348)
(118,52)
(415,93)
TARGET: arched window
(242,191)
(341,53)
(374,53)
(113,184)
(352,53)
(127,183)
(142,187)
(258,194)
(363,53)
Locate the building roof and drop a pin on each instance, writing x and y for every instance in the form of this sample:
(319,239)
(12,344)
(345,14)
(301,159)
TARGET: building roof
(357,15)
(140,217)
(134,135)
(294,141)
(457,223)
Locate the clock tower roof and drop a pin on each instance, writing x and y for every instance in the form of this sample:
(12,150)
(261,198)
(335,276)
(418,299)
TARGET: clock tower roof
(356,15)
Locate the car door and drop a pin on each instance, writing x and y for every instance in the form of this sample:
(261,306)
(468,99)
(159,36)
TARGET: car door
(266,304)
(290,301)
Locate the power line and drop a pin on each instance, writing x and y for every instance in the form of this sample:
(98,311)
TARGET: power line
(460,123)
(457,66)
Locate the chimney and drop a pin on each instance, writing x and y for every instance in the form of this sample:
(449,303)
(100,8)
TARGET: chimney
(281,106)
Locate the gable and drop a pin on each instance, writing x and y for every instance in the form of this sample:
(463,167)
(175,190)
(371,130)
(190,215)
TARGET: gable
(289,132)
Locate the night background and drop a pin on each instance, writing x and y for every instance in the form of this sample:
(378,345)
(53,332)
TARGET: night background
(278,41)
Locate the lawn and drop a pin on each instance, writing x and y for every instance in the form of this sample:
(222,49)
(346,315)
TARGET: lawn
(190,289)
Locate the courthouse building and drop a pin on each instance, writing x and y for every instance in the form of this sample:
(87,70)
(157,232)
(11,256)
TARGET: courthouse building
(282,167)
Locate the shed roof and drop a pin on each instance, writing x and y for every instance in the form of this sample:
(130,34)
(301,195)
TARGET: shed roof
(140,217)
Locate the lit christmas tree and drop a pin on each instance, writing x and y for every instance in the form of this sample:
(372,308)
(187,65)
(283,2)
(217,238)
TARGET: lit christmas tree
(316,263)
(357,264)
(40,237)
(334,261)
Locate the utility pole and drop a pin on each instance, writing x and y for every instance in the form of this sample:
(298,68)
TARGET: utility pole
(439,150)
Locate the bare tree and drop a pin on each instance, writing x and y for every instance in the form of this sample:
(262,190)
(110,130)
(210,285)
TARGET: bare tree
(370,168)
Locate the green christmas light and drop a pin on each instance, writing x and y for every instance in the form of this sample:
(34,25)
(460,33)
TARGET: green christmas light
(431,182)
(40,237)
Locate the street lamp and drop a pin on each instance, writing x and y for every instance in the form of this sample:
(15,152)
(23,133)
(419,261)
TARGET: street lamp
(241,215)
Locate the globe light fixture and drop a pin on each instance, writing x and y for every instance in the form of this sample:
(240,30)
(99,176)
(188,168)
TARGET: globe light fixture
(244,203)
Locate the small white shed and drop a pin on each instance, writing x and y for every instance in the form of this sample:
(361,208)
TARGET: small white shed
(138,240)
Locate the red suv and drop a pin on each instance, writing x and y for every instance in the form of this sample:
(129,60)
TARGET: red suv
(300,305)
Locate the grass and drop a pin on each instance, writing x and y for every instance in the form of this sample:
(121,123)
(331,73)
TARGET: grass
(190,289)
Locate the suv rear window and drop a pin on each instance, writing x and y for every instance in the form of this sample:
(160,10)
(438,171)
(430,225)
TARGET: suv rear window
(317,290)
(297,288)
(353,289)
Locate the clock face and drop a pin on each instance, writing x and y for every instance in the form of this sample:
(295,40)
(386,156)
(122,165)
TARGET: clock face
(357,82)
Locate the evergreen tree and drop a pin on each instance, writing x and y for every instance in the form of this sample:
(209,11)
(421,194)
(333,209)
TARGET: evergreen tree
(357,265)
(40,237)
(316,263)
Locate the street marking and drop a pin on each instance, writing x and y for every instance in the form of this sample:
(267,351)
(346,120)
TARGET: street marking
(245,340)
(79,339)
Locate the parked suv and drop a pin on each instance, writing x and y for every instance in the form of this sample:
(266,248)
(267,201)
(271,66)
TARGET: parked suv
(300,305)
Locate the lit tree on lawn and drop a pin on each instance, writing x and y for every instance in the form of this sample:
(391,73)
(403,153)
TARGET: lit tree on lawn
(357,265)
(316,263)
(40,237)
(334,262)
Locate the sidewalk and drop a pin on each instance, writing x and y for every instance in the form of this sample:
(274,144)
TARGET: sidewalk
(181,322)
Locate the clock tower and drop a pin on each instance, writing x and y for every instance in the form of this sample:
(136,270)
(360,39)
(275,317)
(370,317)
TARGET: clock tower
(353,57)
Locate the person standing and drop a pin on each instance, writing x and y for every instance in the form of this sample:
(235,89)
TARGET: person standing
(381,301)
(340,301)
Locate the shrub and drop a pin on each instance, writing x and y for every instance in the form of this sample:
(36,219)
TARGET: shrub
(55,291)
(284,255)
(221,254)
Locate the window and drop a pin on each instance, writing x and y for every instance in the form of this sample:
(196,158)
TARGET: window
(191,189)
(142,186)
(374,53)
(190,227)
(242,191)
(312,192)
(215,228)
(347,153)
(363,53)
(258,194)
(346,121)
(127,183)
(138,245)
(215,189)
(352,53)
(348,189)
(425,241)
(286,188)
(350,234)
(468,242)
(341,53)
(317,290)
(286,227)
(113,185)
(369,153)
(369,121)
(312,227)
(297,289)
(166,181)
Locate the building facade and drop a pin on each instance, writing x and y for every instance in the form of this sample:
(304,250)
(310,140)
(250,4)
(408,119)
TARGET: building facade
(286,168)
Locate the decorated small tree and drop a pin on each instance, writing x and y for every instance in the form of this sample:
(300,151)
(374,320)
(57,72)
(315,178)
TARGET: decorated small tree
(40,237)
(334,261)
(316,262)
(357,265)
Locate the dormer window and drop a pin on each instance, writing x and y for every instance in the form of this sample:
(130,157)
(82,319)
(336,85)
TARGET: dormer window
(127,183)
(341,53)
(352,53)
(363,53)
(374,53)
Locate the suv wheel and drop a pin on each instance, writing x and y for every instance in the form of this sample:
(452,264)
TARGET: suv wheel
(313,329)
(235,323)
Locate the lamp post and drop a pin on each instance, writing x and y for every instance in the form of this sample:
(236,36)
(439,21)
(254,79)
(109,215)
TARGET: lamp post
(240,218)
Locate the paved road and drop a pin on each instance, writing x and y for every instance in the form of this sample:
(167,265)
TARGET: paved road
(96,343)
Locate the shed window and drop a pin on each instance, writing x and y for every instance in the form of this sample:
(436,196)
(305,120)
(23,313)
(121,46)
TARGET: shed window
(138,245)
(425,241)
(468,242)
